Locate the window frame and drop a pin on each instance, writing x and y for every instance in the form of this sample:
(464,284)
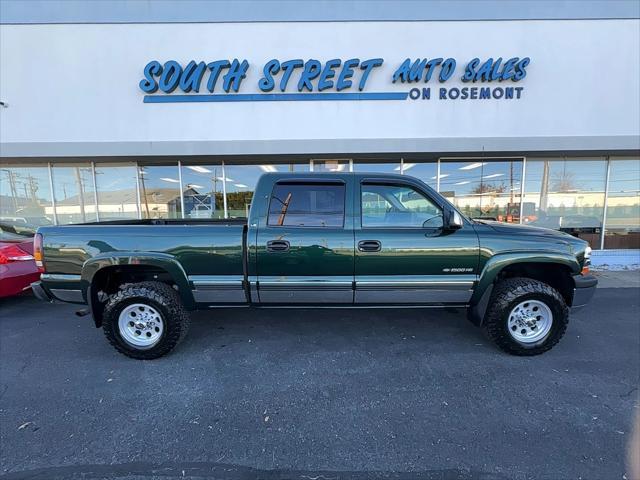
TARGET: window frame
(397,183)
(309,182)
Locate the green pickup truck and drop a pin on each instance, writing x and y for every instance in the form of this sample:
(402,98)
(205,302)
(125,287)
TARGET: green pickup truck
(322,241)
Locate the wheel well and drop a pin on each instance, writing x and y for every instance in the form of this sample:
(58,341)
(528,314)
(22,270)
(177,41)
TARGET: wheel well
(556,275)
(108,280)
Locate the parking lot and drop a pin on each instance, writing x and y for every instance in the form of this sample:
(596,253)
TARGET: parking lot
(318,394)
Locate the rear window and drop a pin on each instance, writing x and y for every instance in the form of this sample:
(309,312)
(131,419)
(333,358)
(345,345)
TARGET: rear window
(307,205)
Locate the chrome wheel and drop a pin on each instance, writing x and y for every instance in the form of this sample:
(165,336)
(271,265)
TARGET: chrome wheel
(530,321)
(140,325)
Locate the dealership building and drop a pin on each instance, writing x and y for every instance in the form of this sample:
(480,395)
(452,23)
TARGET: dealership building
(522,112)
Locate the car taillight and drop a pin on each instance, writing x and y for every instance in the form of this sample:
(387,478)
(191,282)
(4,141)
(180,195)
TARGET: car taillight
(38,252)
(13,253)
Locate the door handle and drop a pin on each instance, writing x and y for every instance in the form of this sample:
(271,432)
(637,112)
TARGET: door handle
(369,246)
(278,246)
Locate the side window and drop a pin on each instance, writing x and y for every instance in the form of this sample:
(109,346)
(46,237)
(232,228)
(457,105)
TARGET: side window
(398,206)
(307,205)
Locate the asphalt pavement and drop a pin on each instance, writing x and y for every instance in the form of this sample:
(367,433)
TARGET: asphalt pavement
(318,394)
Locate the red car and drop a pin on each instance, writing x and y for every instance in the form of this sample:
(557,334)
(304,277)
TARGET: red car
(17,266)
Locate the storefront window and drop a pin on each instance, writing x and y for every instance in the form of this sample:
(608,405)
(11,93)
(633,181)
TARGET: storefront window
(25,196)
(74,193)
(160,191)
(424,171)
(374,167)
(623,205)
(567,195)
(333,165)
(484,189)
(117,191)
(202,191)
(241,183)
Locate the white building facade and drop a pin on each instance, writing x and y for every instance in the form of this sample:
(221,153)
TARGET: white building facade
(525,112)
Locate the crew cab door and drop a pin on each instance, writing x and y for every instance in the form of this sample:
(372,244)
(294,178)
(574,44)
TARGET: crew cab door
(404,254)
(305,245)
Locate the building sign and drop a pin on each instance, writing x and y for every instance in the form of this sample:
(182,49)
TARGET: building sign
(336,79)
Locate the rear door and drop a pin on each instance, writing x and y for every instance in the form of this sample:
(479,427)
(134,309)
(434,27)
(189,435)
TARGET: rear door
(404,255)
(305,248)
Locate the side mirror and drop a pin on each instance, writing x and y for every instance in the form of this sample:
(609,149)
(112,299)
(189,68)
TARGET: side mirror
(455,220)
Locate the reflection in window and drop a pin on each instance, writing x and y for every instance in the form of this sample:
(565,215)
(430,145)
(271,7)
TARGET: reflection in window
(376,167)
(623,205)
(338,165)
(567,195)
(202,190)
(307,205)
(423,171)
(117,191)
(160,191)
(484,189)
(25,195)
(398,206)
(74,194)
(241,183)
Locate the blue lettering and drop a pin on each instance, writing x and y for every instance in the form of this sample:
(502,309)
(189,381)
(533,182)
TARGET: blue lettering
(311,71)
(215,68)
(507,71)
(345,73)
(495,74)
(416,70)
(497,91)
(474,93)
(447,69)
(287,69)
(485,93)
(443,94)
(402,72)
(454,93)
(508,92)
(520,69)
(233,78)
(192,76)
(470,70)
(170,77)
(518,91)
(327,72)
(426,93)
(414,93)
(431,66)
(484,72)
(366,68)
(465,93)
(148,84)
(267,83)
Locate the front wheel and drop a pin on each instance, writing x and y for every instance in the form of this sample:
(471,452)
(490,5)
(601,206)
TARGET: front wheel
(526,316)
(145,320)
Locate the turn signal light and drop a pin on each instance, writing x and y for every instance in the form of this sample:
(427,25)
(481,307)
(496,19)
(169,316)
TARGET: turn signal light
(38,252)
(13,253)
(585,270)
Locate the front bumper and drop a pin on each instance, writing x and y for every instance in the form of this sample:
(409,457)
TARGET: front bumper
(41,293)
(585,287)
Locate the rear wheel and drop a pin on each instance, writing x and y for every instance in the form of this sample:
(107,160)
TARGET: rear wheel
(145,320)
(526,316)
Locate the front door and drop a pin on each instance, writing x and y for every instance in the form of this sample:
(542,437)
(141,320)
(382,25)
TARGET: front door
(305,250)
(404,255)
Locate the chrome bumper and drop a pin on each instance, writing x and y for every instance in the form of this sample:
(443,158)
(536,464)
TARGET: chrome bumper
(585,287)
(40,292)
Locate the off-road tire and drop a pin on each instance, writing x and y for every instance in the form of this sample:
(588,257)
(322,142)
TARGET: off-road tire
(161,297)
(510,292)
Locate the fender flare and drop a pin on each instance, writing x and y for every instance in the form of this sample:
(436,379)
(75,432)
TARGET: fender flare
(163,261)
(480,299)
